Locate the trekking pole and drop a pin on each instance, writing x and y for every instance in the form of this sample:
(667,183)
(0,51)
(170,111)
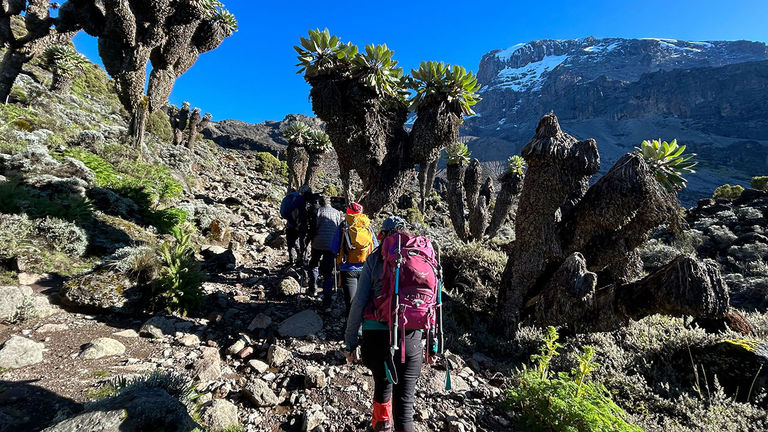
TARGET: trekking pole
(395,324)
(441,338)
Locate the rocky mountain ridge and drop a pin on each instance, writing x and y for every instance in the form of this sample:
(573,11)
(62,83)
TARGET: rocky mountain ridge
(621,91)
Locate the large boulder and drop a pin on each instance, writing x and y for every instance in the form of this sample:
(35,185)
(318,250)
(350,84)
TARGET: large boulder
(18,352)
(138,410)
(100,290)
(301,325)
(102,347)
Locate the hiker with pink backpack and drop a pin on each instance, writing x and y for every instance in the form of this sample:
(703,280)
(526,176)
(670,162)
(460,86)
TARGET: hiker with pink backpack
(397,305)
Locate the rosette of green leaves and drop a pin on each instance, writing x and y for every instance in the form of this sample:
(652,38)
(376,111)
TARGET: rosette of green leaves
(297,133)
(320,52)
(215,10)
(667,162)
(516,165)
(64,60)
(227,18)
(457,153)
(379,71)
(452,82)
(318,142)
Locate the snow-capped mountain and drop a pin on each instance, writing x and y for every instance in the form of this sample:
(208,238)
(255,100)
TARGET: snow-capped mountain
(711,95)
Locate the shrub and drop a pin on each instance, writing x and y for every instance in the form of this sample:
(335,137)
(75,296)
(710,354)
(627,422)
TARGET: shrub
(178,288)
(15,231)
(63,236)
(728,192)
(159,126)
(566,402)
(140,263)
(414,216)
(267,163)
(94,82)
(16,197)
(330,190)
(760,183)
(167,220)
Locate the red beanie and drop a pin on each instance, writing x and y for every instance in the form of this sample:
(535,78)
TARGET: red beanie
(354,208)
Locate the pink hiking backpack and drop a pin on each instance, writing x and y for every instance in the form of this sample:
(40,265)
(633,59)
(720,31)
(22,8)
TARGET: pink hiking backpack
(410,301)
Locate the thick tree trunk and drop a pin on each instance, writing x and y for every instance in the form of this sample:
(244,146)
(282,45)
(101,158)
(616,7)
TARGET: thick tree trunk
(137,126)
(456,198)
(472,179)
(61,83)
(313,167)
(511,186)
(297,160)
(478,220)
(10,68)
(685,286)
(427,174)
(346,185)
(568,235)
(192,128)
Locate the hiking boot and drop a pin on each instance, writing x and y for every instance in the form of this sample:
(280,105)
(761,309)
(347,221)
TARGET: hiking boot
(383,426)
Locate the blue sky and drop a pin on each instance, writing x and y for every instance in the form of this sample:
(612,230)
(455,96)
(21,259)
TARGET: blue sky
(252,75)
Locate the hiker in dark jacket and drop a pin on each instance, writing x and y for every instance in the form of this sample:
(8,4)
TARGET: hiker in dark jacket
(388,398)
(292,209)
(325,222)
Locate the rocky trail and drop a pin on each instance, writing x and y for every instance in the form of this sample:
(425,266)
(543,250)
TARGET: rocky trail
(261,354)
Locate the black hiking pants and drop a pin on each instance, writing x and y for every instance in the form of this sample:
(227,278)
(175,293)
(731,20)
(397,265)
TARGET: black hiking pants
(349,281)
(297,249)
(321,264)
(375,353)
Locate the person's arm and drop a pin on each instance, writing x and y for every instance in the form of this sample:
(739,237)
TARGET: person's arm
(355,318)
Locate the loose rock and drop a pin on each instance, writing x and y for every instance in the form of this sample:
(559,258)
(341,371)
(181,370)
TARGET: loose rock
(102,347)
(302,324)
(19,352)
(258,392)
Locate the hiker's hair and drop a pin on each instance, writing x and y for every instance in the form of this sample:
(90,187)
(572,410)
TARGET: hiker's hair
(402,229)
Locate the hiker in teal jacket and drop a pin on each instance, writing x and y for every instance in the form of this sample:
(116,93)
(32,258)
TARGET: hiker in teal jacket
(392,403)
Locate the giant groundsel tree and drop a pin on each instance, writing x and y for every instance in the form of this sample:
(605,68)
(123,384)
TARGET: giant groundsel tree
(26,30)
(171,34)
(363,98)
(574,260)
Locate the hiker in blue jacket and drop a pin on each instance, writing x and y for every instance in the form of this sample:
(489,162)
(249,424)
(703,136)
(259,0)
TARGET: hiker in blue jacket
(293,211)
(324,221)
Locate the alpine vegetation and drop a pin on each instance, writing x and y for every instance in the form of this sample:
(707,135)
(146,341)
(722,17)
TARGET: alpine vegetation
(363,99)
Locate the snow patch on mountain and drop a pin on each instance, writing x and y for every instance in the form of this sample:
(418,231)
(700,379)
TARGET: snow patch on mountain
(505,54)
(528,77)
(602,48)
